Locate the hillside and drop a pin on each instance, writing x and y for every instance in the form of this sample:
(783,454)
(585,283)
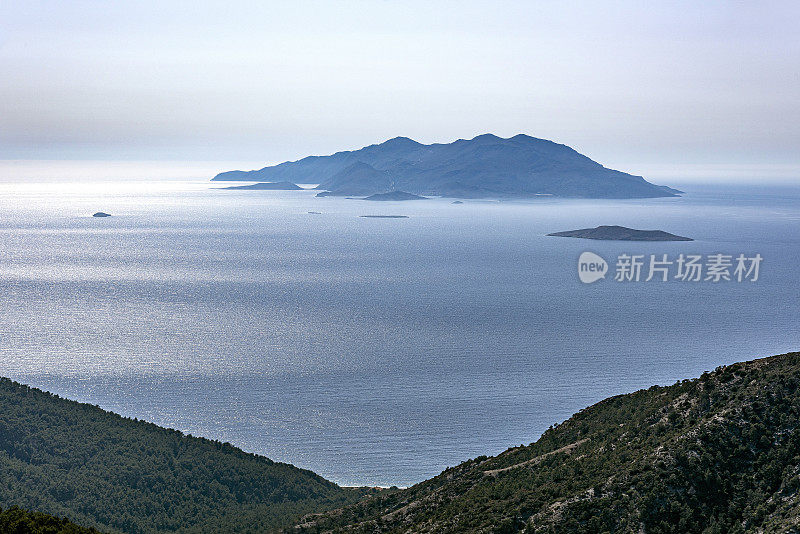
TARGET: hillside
(359,179)
(486,166)
(18,521)
(717,454)
(116,474)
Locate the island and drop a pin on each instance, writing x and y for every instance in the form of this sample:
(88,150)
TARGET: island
(486,166)
(101,214)
(621,233)
(268,186)
(394,195)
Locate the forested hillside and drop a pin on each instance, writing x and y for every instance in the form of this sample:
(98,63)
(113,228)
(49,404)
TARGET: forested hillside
(99,469)
(718,454)
(18,521)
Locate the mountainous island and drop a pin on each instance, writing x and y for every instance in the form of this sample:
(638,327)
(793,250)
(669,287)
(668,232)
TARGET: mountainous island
(621,233)
(486,166)
(717,454)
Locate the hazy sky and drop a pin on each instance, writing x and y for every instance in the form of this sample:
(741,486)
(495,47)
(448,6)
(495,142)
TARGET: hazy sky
(658,82)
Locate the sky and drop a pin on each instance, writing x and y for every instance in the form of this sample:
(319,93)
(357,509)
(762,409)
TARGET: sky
(626,83)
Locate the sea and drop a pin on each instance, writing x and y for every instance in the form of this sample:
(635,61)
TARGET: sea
(375,351)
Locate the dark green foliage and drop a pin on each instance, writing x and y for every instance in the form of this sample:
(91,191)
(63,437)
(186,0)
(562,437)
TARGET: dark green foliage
(720,454)
(17,521)
(117,474)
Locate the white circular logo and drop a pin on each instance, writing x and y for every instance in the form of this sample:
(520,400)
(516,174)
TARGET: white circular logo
(591,267)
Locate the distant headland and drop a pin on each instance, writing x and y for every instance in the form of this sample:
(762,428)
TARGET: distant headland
(394,195)
(486,166)
(268,186)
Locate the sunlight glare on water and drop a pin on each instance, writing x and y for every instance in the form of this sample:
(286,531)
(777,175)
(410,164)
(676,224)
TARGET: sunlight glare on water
(373,351)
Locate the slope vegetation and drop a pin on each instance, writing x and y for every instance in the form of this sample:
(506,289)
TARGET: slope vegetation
(116,474)
(18,521)
(718,454)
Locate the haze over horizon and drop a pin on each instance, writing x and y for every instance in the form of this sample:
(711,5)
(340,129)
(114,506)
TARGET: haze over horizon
(624,83)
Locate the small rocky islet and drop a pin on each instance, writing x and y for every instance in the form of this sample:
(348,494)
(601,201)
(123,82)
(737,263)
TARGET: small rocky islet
(621,233)
(394,196)
(267,186)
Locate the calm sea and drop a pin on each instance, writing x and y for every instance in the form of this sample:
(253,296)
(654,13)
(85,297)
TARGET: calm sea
(373,351)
